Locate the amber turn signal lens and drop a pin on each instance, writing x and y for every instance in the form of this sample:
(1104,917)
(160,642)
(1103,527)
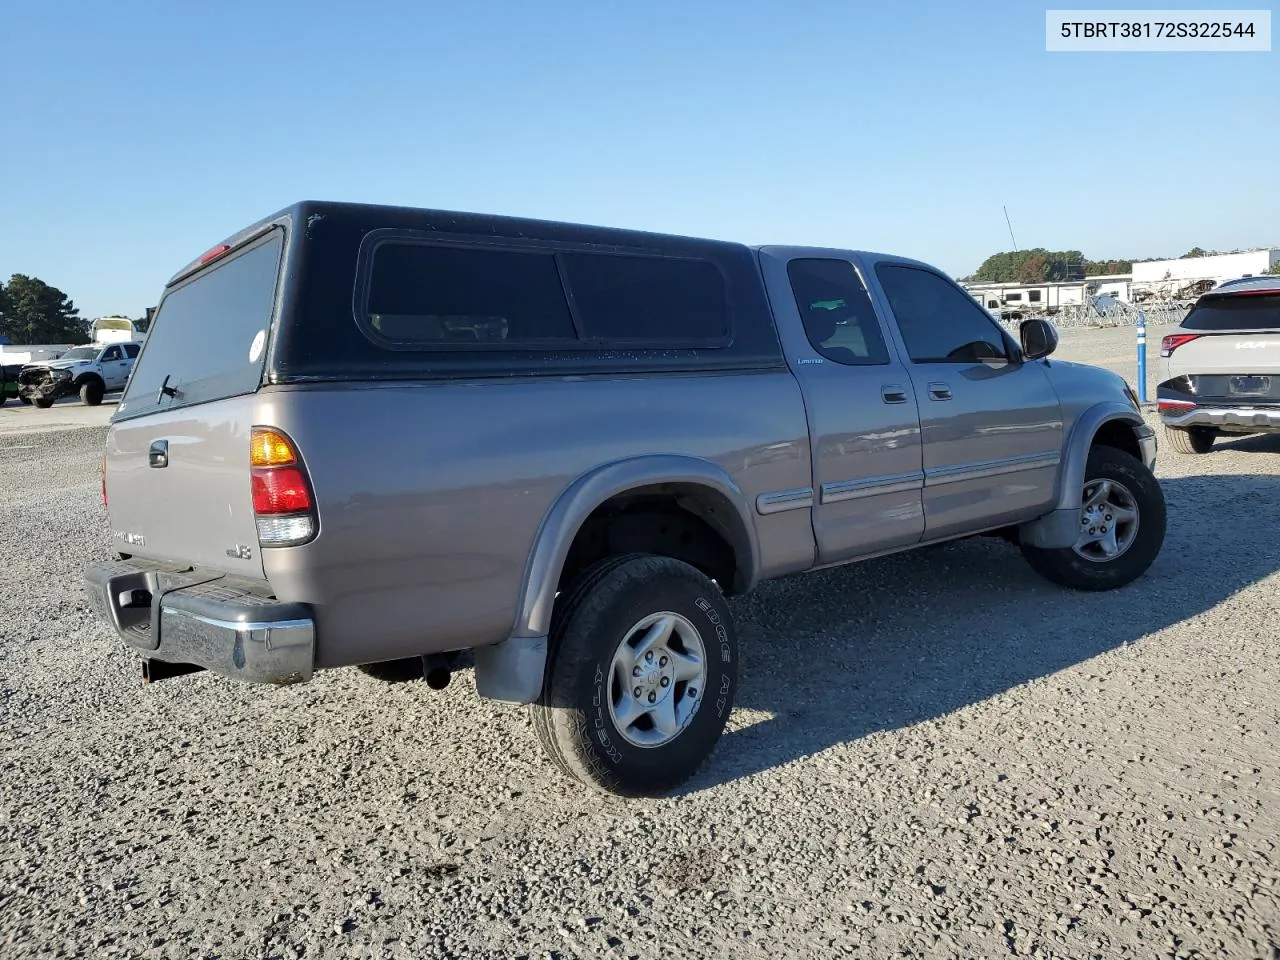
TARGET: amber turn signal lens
(270,448)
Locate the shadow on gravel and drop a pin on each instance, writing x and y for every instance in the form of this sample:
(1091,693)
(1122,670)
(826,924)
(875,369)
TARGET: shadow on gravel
(885,644)
(1260,443)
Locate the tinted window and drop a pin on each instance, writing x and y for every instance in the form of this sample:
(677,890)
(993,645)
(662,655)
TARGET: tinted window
(131,349)
(435,296)
(939,324)
(648,299)
(837,312)
(209,335)
(1239,312)
(112,353)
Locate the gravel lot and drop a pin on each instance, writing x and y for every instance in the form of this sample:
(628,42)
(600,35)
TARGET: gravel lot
(936,754)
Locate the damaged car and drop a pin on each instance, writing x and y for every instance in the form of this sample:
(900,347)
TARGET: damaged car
(90,371)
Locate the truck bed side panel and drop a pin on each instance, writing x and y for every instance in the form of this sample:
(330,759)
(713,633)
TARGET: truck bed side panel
(431,495)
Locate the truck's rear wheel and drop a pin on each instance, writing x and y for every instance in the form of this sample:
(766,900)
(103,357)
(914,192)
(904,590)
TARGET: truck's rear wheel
(641,675)
(91,392)
(1190,439)
(1122,526)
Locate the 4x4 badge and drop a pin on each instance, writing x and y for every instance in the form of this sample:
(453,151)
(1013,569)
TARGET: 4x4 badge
(240,552)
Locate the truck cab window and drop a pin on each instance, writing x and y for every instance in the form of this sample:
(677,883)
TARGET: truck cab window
(939,324)
(839,319)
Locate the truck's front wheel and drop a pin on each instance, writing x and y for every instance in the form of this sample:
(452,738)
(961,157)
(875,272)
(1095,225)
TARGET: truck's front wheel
(1122,526)
(641,675)
(92,392)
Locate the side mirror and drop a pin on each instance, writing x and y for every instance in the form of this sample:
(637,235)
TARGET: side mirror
(1039,338)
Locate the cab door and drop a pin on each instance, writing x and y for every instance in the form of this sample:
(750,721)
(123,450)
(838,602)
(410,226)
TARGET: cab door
(863,424)
(991,422)
(115,368)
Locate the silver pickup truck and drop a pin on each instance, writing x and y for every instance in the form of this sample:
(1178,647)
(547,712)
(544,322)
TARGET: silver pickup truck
(365,436)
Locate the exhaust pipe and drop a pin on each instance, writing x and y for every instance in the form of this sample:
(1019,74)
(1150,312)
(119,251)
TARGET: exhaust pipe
(436,667)
(153,671)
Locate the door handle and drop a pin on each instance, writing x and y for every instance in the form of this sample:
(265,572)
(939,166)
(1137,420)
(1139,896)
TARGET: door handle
(939,391)
(159,453)
(893,394)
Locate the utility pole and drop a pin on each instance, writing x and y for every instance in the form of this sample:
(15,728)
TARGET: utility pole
(1010,226)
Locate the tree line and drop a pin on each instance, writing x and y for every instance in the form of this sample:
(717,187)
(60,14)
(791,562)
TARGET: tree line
(32,311)
(1039,265)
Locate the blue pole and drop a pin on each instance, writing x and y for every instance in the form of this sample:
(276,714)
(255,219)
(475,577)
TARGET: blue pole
(1142,356)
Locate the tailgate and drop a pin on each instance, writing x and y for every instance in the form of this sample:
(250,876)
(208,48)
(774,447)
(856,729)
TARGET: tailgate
(177,467)
(178,487)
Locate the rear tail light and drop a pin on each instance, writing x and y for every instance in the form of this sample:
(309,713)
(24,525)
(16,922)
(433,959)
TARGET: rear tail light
(1174,341)
(1175,404)
(283,504)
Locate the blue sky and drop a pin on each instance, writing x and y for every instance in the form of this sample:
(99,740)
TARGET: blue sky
(138,134)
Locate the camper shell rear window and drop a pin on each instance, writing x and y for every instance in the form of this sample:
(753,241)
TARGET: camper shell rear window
(207,340)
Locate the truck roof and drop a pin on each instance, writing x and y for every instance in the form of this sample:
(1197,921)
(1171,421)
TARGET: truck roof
(453,221)
(457,221)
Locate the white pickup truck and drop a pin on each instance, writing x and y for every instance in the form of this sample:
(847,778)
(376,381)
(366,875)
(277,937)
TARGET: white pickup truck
(92,371)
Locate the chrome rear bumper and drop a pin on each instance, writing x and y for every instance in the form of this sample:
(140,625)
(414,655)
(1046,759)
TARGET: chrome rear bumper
(181,616)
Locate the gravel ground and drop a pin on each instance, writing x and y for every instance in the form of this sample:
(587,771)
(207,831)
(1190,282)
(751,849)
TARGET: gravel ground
(936,754)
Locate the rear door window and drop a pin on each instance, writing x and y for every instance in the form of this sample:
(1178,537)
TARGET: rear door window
(131,350)
(1236,312)
(208,338)
(839,319)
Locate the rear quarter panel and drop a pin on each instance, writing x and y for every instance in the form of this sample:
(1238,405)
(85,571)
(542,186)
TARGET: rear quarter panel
(431,495)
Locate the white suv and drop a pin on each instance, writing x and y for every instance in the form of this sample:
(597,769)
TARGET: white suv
(1222,366)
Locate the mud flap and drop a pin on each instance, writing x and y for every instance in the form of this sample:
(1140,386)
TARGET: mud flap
(1053,531)
(511,670)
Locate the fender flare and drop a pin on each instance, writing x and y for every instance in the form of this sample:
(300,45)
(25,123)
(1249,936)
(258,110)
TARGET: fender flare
(513,670)
(1086,427)
(1060,527)
(84,378)
(571,509)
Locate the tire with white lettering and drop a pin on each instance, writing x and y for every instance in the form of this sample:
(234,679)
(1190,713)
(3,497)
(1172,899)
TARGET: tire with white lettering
(641,675)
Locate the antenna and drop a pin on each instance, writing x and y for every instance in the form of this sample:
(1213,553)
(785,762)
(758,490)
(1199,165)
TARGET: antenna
(1010,226)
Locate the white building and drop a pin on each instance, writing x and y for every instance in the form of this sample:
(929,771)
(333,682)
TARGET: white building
(1191,276)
